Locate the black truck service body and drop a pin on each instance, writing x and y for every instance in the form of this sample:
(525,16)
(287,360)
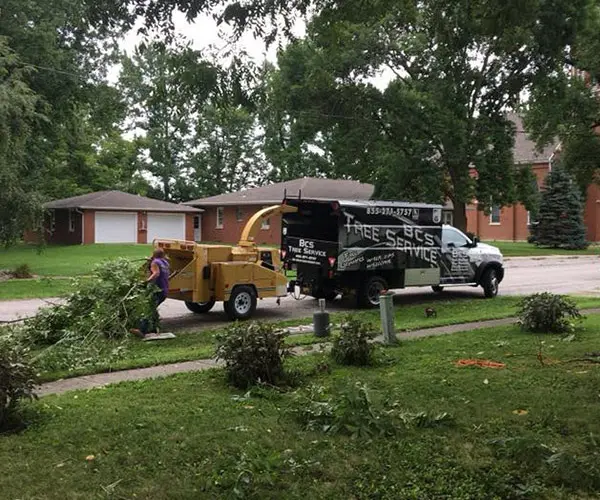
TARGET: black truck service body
(368,246)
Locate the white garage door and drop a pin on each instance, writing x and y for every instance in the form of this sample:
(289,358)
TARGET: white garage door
(116,227)
(166,226)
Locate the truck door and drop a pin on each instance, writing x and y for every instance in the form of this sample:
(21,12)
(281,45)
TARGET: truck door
(455,262)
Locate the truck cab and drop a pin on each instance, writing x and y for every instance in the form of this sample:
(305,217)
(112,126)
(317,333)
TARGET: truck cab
(466,261)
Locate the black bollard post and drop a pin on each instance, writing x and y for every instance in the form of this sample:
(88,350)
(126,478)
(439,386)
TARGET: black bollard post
(321,320)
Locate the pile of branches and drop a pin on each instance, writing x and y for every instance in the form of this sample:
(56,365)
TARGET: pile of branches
(103,307)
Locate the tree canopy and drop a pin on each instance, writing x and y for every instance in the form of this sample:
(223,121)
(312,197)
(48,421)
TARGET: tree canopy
(411,95)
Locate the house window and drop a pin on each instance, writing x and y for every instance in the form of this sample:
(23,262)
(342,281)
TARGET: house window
(495,214)
(220,216)
(528,218)
(266,224)
(239,214)
(52,221)
(448,218)
(71,221)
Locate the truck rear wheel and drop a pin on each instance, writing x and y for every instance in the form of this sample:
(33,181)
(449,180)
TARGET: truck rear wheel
(200,307)
(489,283)
(437,288)
(368,294)
(241,304)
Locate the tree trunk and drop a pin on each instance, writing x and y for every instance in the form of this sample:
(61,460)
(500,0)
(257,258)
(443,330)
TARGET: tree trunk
(460,215)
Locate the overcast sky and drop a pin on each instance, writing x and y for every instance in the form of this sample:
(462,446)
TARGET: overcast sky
(209,38)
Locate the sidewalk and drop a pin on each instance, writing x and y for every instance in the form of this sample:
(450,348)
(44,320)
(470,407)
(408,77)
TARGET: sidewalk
(103,379)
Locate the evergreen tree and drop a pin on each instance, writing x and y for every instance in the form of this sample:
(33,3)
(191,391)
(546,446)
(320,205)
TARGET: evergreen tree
(560,217)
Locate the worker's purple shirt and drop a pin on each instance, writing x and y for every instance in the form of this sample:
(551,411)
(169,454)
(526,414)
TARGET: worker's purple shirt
(162,281)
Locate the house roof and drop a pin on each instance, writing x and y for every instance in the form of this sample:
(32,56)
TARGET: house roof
(307,187)
(118,200)
(525,150)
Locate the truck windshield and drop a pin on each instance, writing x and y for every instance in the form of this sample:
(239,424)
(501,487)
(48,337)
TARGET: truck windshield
(454,236)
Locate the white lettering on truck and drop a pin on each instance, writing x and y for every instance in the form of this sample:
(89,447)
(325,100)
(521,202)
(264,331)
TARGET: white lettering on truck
(413,240)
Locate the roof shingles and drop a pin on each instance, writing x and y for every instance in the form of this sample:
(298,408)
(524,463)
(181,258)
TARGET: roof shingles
(307,187)
(118,200)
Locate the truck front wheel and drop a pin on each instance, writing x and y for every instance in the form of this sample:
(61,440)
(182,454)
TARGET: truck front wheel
(489,282)
(368,294)
(200,307)
(241,304)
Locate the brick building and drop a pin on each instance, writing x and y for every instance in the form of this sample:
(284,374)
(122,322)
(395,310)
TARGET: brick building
(225,215)
(512,222)
(116,217)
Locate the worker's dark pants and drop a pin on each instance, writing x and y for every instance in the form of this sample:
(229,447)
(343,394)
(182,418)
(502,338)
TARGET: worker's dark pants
(150,324)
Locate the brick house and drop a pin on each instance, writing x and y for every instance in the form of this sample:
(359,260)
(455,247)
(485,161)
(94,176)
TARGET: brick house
(225,215)
(512,222)
(116,217)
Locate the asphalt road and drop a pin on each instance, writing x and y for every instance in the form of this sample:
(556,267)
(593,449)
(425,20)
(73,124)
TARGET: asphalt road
(579,275)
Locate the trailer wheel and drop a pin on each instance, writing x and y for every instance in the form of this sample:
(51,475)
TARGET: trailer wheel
(368,294)
(437,288)
(489,283)
(241,304)
(200,307)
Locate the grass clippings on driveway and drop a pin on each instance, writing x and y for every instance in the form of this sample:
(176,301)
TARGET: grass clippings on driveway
(523,431)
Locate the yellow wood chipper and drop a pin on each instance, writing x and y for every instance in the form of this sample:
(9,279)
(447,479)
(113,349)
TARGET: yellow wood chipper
(203,274)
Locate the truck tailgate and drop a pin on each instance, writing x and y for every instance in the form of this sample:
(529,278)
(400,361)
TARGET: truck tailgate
(308,251)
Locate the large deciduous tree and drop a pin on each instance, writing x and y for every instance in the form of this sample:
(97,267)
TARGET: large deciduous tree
(19,204)
(165,87)
(456,68)
(227,153)
(567,104)
(58,55)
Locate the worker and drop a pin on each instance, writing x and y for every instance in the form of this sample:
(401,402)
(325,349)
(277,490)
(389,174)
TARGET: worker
(159,276)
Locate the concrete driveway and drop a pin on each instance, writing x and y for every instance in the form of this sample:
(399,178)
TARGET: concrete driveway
(579,275)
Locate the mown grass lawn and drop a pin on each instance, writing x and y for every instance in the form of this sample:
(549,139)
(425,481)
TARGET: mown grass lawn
(71,260)
(524,249)
(189,346)
(523,431)
(34,288)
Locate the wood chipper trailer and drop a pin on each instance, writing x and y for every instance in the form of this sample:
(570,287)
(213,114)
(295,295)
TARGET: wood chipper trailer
(202,274)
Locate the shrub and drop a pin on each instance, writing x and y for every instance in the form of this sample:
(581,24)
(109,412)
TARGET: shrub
(17,381)
(22,271)
(351,345)
(253,353)
(548,313)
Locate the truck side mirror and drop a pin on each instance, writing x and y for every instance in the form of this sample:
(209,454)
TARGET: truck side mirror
(475,241)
